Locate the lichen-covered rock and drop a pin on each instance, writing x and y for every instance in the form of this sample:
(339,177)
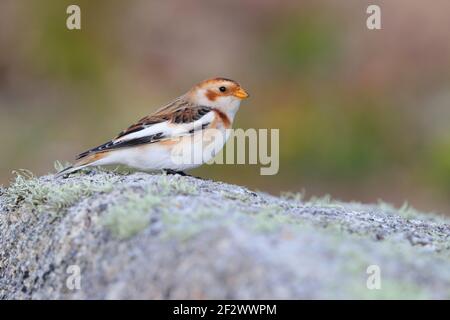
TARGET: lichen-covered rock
(148,236)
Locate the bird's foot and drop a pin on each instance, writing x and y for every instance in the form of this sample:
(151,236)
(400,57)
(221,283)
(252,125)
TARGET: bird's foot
(181,173)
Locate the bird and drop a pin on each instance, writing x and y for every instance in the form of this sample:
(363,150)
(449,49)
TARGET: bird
(182,135)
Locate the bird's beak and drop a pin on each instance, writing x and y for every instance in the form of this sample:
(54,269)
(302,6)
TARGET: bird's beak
(241,94)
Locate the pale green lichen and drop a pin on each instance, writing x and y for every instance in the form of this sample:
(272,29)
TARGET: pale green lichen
(265,222)
(132,215)
(408,212)
(167,185)
(324,201)
(292,196)
(51,196)
(271,218)
(243,197)
(25,189)
(184,225)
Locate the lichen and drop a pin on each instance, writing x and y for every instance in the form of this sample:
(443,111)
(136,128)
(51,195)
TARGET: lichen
(168,184)
(234,195)
(272,247)
(271,218)
(408,212)
(52,196)
(292,196)
(132,215)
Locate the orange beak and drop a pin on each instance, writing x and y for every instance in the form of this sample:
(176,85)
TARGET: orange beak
(241,93)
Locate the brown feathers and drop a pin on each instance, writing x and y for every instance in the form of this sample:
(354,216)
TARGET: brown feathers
(91,158)
(183,110)
(224,118)
(178,112)
(212,95)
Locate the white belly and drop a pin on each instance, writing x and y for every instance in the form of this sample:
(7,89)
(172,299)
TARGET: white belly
(185,153)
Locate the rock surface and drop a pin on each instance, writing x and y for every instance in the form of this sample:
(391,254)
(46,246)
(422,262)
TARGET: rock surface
(145,236)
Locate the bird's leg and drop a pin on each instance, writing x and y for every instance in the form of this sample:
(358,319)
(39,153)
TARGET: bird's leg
(181,173)
(169,171)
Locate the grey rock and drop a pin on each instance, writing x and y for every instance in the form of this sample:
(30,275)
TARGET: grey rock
(143,236)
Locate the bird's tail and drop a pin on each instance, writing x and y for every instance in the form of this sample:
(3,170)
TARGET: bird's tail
(68,170)
(80,164)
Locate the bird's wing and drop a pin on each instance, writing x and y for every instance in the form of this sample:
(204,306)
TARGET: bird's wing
(176,119)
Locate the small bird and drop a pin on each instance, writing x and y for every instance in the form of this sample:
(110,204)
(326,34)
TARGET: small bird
(191,124)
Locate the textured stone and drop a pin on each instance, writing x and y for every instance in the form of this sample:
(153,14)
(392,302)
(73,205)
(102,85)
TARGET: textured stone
(149,236)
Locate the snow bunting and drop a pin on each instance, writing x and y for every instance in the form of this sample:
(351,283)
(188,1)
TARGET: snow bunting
(195,122)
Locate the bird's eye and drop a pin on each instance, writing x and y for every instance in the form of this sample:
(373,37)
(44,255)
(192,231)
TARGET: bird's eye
(222,89)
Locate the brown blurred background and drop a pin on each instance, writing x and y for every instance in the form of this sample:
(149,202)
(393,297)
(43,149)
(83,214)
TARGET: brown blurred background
(363,115)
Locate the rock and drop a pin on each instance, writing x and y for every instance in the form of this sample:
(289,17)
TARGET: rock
(143,236)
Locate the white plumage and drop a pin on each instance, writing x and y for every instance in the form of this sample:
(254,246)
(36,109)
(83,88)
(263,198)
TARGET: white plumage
(182,135)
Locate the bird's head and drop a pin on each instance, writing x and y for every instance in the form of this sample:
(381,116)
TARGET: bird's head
(218,92)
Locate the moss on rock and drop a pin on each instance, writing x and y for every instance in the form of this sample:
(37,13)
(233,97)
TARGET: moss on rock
(143,235)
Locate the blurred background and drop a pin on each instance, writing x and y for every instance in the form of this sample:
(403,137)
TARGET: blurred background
(363,115)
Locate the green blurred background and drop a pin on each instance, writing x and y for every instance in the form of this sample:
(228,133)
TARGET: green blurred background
(363,115)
